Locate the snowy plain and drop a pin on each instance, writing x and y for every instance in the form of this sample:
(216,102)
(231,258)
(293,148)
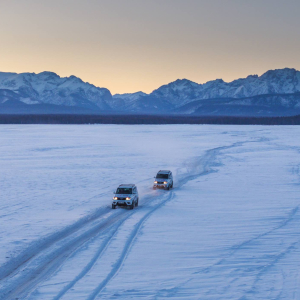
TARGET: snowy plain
(230,228)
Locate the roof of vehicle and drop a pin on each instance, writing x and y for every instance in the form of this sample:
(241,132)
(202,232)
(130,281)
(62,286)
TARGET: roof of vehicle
(164,171)
(127,185)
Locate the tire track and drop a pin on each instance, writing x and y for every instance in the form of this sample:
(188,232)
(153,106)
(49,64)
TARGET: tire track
(48,263)
(261,270)
(46,267)
(117,266)
(92,262)
(51,261)
(16,264)
(41,245)
(37,269)
(206,162)
(211,154)
(240,246)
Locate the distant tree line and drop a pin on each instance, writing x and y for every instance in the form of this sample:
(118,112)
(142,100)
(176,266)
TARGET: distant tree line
(145,119)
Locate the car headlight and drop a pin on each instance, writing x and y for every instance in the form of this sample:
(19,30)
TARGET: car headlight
(165,182)
(155,181)
(115,198)
(128,198)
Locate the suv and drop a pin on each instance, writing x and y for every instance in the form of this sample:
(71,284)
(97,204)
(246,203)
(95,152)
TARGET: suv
(163,180)
(126,195)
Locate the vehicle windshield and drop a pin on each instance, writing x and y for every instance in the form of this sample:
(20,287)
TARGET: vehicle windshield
(124,191)
(164,176)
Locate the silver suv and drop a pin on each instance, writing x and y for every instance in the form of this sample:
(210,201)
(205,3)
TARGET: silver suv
(163,180)
(126,195)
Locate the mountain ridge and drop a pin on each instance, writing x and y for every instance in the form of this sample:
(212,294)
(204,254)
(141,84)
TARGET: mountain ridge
(48,88)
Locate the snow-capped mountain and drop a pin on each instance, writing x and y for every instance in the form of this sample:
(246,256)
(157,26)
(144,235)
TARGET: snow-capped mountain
(185,96)
(180,92)
(49,88)
(123,101)
(276,92)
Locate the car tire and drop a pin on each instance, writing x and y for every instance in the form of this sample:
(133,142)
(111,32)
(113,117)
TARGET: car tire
(168,187)
(132,205)
(113,206)
(137,202)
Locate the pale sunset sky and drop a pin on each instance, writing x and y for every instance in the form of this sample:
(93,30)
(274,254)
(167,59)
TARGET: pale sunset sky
(139,45)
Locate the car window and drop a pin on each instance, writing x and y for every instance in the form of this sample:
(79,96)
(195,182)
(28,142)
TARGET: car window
(163,176)
(124,191)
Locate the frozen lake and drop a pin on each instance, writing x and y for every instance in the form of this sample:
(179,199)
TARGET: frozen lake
(230,228)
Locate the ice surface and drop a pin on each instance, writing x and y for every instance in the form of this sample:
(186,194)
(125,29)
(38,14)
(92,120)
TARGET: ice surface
(228,230)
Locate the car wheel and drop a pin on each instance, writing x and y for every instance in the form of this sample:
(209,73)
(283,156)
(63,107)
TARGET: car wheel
(137,202)
(113,206)
(132,205)
(168,187)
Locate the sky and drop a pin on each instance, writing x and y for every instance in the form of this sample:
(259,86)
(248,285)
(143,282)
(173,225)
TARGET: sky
(139,45)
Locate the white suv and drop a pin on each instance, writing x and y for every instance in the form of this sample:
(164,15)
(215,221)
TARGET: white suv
(163,180)
(126,195)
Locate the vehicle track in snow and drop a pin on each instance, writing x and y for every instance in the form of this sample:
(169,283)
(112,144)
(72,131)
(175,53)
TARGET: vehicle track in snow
(118,264)
(37,247)
(34,271)
(204,162)
(21,275)
(266,262)
(49,257)
(89,266)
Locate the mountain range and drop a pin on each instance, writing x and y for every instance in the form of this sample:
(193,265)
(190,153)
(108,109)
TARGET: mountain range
(275,93)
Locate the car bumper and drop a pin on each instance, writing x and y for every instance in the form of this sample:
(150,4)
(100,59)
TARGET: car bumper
(122,203)
(160,186)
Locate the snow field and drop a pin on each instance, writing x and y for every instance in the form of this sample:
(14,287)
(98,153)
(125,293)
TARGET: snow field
(228,230)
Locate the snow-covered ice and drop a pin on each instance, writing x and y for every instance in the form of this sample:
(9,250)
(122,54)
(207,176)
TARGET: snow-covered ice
(230,228)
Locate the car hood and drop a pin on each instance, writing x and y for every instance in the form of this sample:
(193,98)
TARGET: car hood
(123,195)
